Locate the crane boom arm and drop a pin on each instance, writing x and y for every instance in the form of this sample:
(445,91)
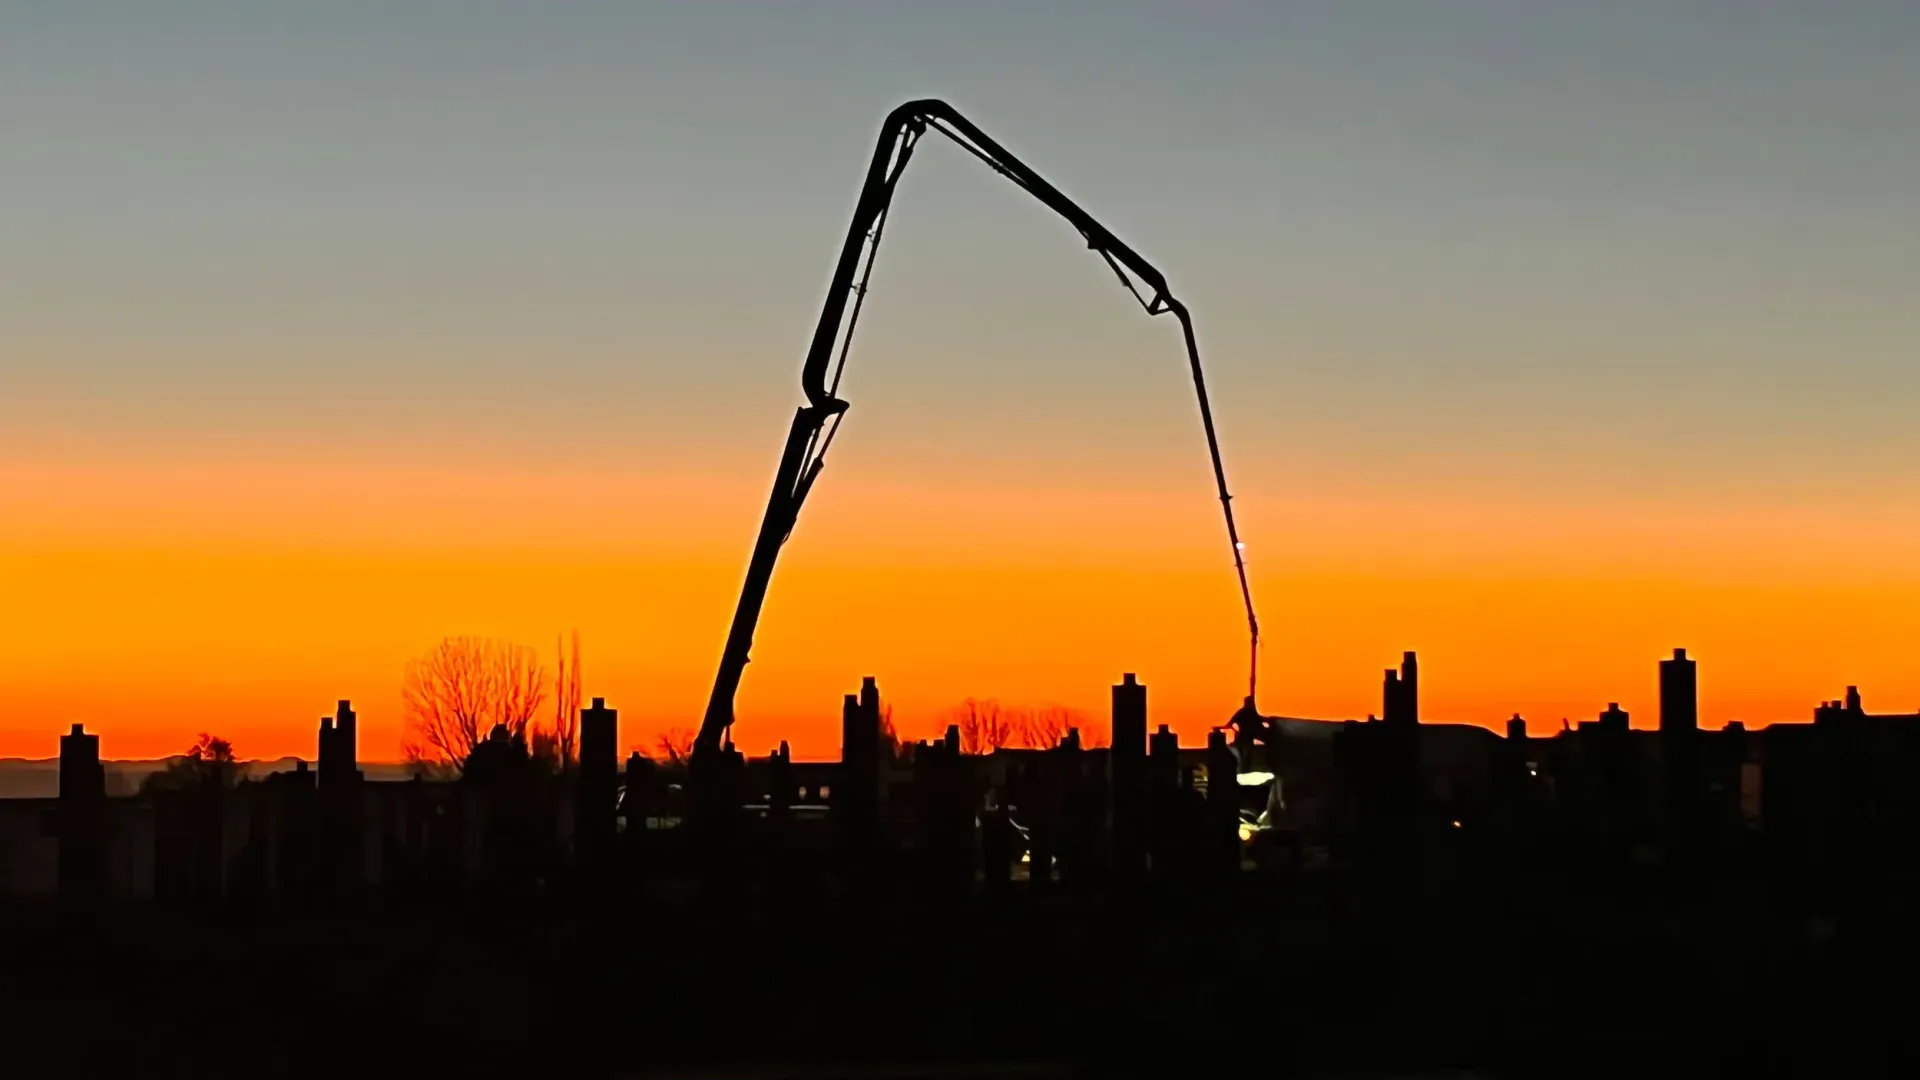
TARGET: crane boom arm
(816,422)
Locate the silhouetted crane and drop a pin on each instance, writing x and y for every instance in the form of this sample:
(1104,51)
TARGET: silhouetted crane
(816,422)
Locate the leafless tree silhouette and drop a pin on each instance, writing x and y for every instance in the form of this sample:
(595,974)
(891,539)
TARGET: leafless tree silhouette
(1094,734)
(454,695)
(566,703)
(889,735)
(984,726)
(676,747)
(1046,727)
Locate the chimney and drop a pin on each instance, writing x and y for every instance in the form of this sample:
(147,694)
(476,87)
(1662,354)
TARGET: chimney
(339,747)
(1679,695)
(1410,688)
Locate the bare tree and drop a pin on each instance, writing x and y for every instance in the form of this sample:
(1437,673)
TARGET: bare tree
(454,695)
(889,735)
(984,726)
(1094,734)
(1046,727)
(566,702)
(676,747)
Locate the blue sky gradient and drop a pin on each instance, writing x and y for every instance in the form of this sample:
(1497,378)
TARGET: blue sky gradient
(1631,246)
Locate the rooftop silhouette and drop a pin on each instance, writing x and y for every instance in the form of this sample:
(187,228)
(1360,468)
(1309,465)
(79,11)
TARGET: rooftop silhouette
(1399,824)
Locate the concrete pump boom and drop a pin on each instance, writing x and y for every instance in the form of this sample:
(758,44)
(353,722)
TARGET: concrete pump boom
(816,422)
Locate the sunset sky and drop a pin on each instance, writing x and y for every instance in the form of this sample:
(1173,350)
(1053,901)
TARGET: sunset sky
(1543,339)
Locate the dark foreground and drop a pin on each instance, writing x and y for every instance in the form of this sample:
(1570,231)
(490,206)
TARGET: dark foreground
(1521,978)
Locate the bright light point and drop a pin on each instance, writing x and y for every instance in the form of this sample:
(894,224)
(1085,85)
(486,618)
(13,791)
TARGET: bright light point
(1239,545)
(1456,824)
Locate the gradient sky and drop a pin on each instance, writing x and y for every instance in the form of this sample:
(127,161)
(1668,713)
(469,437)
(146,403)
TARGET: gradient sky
(1543,339)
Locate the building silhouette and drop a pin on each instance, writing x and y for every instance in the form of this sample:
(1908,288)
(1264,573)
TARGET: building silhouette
(1129,779)
(1400,695)
(339,752)
(83,795)
(1679,694)
(597,784)
(1820,801)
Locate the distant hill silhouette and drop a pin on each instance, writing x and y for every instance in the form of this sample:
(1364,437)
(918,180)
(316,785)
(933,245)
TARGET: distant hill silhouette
(39,778)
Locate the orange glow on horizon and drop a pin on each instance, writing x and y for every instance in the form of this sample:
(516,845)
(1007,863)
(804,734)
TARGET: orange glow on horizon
(153,604)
